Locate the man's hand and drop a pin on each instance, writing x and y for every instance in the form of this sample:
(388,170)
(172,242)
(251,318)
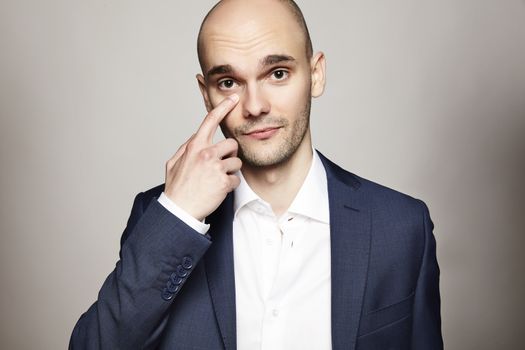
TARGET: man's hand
(200,174)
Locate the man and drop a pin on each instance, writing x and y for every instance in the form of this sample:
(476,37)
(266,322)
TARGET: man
(257,241)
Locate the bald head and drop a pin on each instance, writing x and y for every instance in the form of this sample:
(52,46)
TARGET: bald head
(250,10)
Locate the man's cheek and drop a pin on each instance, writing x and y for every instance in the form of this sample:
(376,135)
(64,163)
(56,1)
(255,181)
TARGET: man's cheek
(285,96)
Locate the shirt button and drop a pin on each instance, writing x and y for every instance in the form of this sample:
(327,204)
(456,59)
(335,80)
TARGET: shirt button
(269,241)
(275,312)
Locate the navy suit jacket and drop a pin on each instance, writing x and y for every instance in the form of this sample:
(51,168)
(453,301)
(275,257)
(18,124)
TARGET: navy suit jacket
(174,288)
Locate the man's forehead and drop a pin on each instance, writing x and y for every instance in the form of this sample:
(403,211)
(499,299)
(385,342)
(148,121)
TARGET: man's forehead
(230,58)
(250,28)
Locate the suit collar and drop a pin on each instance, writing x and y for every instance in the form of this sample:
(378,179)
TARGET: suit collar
(335,173)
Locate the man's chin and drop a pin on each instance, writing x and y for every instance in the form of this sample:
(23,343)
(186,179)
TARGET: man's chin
(258,159)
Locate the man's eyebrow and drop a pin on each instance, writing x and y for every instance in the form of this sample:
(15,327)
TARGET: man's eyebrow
(222,69)
(274,59)
(266,61)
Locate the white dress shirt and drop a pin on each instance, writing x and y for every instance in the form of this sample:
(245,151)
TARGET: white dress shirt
(282,266)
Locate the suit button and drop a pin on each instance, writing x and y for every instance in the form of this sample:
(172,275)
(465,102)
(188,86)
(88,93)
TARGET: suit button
(181,271)
(166,295)
(172,288)
(176,280)
(187,262)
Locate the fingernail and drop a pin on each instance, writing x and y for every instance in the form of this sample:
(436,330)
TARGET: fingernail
(234,98)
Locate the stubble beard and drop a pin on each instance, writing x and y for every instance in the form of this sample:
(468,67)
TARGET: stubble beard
(280,153)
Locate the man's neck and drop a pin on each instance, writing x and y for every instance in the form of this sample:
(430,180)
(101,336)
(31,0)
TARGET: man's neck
(278,185)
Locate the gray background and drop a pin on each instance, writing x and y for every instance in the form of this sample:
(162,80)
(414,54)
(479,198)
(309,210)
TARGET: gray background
(427,97)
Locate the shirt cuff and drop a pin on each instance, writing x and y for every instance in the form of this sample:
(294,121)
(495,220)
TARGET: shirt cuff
(189,220)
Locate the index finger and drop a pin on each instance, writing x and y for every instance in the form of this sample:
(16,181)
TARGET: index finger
(215,116)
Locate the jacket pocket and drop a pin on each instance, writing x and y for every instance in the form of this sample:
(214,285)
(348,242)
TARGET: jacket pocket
(377,319)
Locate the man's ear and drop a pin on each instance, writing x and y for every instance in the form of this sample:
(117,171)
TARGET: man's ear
(318,69)
(204,92)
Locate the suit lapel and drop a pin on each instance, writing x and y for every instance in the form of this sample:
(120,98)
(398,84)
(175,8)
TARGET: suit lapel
(220,271)
(350,250)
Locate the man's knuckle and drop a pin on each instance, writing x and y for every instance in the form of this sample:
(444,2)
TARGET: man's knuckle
(213,115)
(190,146)
(206,154)
(170,163)
(220,167)
(225,182)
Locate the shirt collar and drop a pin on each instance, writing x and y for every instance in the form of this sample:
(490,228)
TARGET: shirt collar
(243,194)
(311,200)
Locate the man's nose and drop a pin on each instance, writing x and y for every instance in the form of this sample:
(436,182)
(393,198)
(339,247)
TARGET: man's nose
(254,102)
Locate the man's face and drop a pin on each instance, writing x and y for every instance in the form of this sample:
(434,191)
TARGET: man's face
(264,61)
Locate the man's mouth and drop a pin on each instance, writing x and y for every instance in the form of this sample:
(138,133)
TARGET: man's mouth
(263,133)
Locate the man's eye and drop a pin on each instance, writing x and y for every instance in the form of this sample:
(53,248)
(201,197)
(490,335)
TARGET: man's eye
(226,84)
(280,74)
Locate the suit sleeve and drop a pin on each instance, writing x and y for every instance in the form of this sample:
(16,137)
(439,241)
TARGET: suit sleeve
(426,330)
(158,253)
